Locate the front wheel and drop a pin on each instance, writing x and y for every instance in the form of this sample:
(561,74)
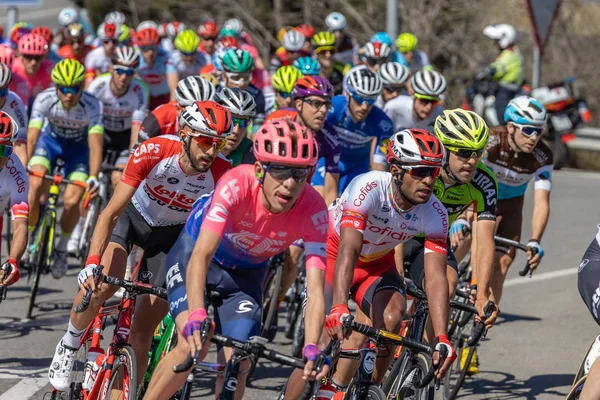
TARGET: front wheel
(414,383)
(123,378)
(374,392)
(577,389)
(37,266)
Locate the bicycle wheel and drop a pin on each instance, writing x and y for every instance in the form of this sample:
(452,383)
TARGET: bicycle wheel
(88,229)
(270,300)
(373,392)
(79,371)
(37,266)
(298,339)
(417,369)
(294,307)
(123,378)
(455,377)
(577,389)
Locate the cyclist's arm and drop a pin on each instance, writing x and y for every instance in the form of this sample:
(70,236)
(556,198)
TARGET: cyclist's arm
(484,231)
(204,251)
(33,133)
(541,213)
(19,238)
(95,140)
(172,81)
(377,164)
(331,187)
(436,287)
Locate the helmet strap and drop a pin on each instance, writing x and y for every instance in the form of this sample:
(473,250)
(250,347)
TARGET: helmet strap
(514,144)
(398,181)
(449,173)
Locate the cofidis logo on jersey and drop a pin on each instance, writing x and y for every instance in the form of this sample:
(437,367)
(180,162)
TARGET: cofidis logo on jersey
(364,191)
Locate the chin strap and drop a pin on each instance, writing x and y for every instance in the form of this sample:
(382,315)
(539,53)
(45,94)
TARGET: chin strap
(398,179)
(449,173)
(186,147)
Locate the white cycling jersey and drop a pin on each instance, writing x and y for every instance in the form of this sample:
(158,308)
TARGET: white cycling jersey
(14,188)
(13,106)
(123,111)
(400,111)
(368,205)
(97,62)
(175,59)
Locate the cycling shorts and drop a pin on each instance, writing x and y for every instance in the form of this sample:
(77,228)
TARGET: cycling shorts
(369,279)
(509,219)
(238,313)
(413,253)
(76,157)
(588,277)
(119,143)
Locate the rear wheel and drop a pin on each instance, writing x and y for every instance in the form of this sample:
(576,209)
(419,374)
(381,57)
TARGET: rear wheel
(455,377)
(270,301)
(123,378)
(416,371)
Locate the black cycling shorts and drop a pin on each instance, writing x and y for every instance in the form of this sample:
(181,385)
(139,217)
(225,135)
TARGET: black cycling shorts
(414,260)
(588,279)
(119,143)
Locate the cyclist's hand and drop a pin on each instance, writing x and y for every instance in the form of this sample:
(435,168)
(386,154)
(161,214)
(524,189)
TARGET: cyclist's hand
(480,304)
(9,272)
(310,352)
(458,231)
(86,278)
(93,186)
(534,260)
(443,349)
(192,328)
(333,321)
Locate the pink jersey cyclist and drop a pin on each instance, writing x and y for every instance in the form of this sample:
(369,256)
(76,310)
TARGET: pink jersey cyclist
(36,83)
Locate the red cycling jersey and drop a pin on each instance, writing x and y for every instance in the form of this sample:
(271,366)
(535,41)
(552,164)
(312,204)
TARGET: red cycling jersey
(161,121)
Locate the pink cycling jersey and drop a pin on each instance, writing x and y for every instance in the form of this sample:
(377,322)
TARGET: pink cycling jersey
(21,88)
(250,233)
(36,83)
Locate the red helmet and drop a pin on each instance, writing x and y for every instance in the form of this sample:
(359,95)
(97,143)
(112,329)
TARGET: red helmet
(33,44)
(285,142)
(8,129)
(307,30)
(377,50)
(229,41)
(7,55)
(147,37)
(208,118)
(415,147)
(45,32)
(208,29)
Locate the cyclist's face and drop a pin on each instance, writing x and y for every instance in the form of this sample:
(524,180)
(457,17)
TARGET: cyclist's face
(283,102)
(121,81)
(149,53)
(391,92)
(208,44)
(462,168)
(77,46)
(416,190)
(359,111)
(314,118)
(69,100)
(524,143)
(188,59)
(203,157)
(409,57)
(109,45)
(240,84)
(32,64)
(237,135)
(325,58)
(280,195)
(424,108)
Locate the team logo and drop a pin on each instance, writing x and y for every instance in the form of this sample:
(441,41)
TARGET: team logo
(172,180)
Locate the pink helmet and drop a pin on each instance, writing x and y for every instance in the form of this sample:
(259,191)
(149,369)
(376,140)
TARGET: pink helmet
(7,55)
(33,44)
(285,142)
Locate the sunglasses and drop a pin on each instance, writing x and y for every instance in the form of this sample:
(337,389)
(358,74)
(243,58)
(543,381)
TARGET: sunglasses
(363,100)
(206,142)
(110,41)
(529,130)
(317,104)
(31,58)
(392,89)
(66,90)
(5,151)
(124,71)
(148,48)
(427,100)
(3,91)
(467,153)
(328,51)
(237,78)
(283,173)
(284,94)
(375,61)
(185,53)
(423,172)
(241,122)
(209,38)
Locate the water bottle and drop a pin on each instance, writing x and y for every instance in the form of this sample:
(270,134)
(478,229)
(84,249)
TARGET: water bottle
(95,358)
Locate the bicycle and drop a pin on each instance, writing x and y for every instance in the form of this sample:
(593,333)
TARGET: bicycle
(580,377)
(43,245)
(116,369)
(296,302)
(3,289)
(270,294)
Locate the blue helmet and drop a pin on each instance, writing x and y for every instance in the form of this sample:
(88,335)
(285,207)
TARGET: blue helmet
(381,37)
(525,110)
(308,66)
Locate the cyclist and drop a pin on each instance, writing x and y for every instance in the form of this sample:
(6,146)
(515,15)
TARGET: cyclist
(75,46)
(236,29)
(12,105)
(308,32)
(168,32)
(68,123)
(243,108)
(359,123)
(269,199)
(376,53)
(324,45)
(208,35)
(185,60)
(14,185)
(19,30)
(291,49)
(516,155)
(407,45)
(164,119)
(149,207)
(17,84)
(307,65)
(283,82)
(507,68)
(394,77)
(422,107)
(346,46)
(153,66)
(97,61)
(32,65)
(383,37)
(47,34)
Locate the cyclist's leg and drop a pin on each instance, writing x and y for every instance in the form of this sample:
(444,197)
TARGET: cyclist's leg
(43,160)
(76,168)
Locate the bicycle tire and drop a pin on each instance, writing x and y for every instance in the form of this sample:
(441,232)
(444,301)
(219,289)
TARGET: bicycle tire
(399,365)
(577,389)
(418,363)
(298,338)
(374,392)
(451,389)
(294,308)
(79,371)
(124,359)
(270,298)
(37,266)
(581,371)
(88,230)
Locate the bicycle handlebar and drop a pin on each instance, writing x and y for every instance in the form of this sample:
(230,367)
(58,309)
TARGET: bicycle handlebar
(6,267)
(479,328)
(58,179)
(520,246)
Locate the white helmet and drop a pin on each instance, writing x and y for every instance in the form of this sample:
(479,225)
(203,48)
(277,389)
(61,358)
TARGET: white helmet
(505,34)
(427,82)
(377,50)
(336,21)
(293,40)
(67,16)
(116,16)
(146,25)
(525,110)
(415,147)
(174,28)
(126,56)
(5,75)
(237,101)
(363,82)
(109,30)
(393,73)
(234,24)
(194,88)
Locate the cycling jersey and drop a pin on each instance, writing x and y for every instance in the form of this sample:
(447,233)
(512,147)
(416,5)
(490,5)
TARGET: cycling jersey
(419,61)
(14,107)
(156,76)
(96,63)
(400,111)
(161,121)
(165,193)
(120,113)
(337,76)
(243,154)
(14,188)
(166,44)
(175,63)
(36,83)
(66,51)
(346,49)
(356,138)
(514,170)
(259,99)
(482,190)
(250,234)
(20,87)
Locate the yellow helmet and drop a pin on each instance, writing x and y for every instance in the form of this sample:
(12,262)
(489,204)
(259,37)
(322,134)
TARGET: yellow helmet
(406,42)
(187,42)
(125,33)
(323,41)
(68,72)
(285,78)
(461,129)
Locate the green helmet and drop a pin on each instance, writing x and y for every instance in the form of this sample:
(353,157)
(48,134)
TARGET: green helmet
(461,129)
(228,32)
(187,42)
(237,60)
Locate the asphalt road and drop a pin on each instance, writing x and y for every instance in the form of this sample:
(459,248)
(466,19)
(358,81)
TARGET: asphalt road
(532,353)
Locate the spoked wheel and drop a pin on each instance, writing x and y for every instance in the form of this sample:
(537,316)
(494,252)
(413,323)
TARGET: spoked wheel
(123,378)
(270,300)
(79,372)
(414,384)
(37,265)
(373,392)
(455,376)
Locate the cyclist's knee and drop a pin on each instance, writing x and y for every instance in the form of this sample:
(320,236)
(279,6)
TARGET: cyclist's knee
(71,200)
(392,317)
(504,262)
